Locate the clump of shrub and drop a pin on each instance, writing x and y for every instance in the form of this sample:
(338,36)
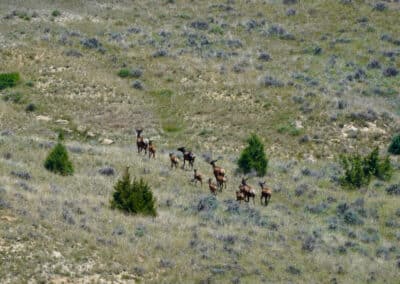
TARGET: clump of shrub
(133,196)
(58,161)
(8,80)
(253,157)
(123,73)
(56,13)
(358,170)
(394,147)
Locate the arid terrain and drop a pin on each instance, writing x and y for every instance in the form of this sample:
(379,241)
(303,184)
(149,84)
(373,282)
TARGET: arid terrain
(313,79)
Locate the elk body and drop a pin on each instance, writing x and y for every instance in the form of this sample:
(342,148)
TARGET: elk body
(197,177)
(187,156)
(266,193)
(247,190)
(221,181)
(141,143)
(239,196)
(218,171)
(213,187)
(152,150)
(174,160)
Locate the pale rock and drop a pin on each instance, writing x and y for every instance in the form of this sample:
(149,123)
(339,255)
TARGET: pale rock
(43,118)
(107,141)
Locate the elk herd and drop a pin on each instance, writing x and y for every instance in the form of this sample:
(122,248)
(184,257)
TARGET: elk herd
(245,192)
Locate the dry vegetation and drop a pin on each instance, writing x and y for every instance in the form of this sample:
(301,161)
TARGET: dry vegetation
(313,79)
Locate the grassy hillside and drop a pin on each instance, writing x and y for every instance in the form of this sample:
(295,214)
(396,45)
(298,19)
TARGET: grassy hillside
(313,79)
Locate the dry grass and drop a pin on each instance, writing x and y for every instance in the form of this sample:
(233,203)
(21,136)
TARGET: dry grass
(59,229)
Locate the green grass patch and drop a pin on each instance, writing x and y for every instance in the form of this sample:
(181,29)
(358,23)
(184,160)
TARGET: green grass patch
(8,80)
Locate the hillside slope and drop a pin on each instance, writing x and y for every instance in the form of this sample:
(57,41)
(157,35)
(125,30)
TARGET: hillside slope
(314,79)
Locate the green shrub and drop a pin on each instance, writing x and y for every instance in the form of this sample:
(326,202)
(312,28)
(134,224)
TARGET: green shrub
(57,161)
(359,170)
(354,172)
(394,147)
(56,13)
(133,196)
(8,80)
(124,73)
(385,170)
(253,157)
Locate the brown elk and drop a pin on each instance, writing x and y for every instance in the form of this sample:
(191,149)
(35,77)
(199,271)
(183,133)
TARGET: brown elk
(239,196)
(197,177)
(247,190)
(152,149)
(187,156)
(141,143)
(174,160)
(221,182)
(218,171)
(266,193)
(213,187)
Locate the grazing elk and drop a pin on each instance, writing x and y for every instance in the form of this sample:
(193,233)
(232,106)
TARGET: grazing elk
(221,182)
(247,190)
(174,160)
(142,143)
(152,149)
(266,193)
(213,187)
(197,177)
(218,171)
(187,156)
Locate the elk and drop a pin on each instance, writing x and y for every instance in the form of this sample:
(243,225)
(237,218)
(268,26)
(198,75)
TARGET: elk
(247,190)
(221,182)
(152,149)
(266,193)
(141,143)
(187,156)
(239,196)
(174,160)
(218,171)
(197,177)
(213,187)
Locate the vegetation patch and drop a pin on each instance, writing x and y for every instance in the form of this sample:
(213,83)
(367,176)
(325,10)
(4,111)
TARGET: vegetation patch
(134,196)
(58,161)
(358,170)
(8,80)
(253,157)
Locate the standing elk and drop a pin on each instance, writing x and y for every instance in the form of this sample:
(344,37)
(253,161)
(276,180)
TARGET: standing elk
(221,182)
(218,171)
(266,193)
(152,149)
(141,143)
(239,196)
(213,187)
(187,156)
(174,160)
(247,190)
(197,177)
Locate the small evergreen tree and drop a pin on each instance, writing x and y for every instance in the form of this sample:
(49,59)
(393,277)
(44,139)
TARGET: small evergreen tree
(253,157)
(58,161)
(385,170)
(394,147)
(371,163)
(358,170)
(133,196)
(354,171)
